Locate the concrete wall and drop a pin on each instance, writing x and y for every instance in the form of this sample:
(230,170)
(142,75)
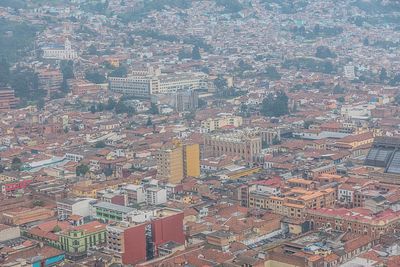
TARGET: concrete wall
(9,233)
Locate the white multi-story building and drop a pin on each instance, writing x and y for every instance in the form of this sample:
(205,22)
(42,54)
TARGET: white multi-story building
(360,112)
(349,72)
(65,52)
(136,194)
(73,157)
(151,82)
(77,206)
(222,120)
(156,196)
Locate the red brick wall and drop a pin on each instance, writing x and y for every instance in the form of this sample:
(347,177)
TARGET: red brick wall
(135,245)
(168,229)
(118,200)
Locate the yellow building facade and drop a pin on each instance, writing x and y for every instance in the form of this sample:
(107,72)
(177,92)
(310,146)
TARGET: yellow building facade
(179,161)
(191,160)
(170,164)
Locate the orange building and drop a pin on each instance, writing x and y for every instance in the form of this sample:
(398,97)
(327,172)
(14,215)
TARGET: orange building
(25,215)
(294,202)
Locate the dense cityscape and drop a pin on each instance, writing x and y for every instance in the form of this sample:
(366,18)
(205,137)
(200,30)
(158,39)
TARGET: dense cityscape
(229,133)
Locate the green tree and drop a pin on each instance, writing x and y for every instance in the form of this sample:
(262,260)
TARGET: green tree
(221,86)
(4,72)
(149,122)
(111,104)
(283,104)
(190,116)
(95,77)
(275,106)
(307,124)
(16,164)
(121,71)
(100,144)
(93,109)
(275,140)
(38,203)
(40,104)
(220,83)
(100,107)
(324,52)
(56,229)
(25,83)
(230,6)
(121,108)
(397,99)
(16,45)
(183,53)
(82,169)
(338,90)
(395,80)
(65,87)
(153,109)
(272,73)
(67,69)
(196,53)
(108,172)
(92,50)
(383,76)
(340,99)
(202,103)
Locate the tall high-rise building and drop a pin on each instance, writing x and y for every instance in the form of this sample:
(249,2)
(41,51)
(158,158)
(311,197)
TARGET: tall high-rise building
(137,241)
(191,160)
(178,161)
(170,164)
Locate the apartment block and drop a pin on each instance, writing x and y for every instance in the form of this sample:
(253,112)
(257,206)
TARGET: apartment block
(220,121)
(133,243)
(357,220)
(111,212)
(293,203)
(77,240)
(7,99)
(170,164)
(148,82)
(178,161)
(242,144)
(156,196)
(74,206)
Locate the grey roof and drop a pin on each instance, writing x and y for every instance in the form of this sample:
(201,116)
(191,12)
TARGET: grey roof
(70,201)
(110,206)
(221,233)
(170,245)
(379,198)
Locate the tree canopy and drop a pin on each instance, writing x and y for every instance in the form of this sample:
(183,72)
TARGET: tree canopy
(324,52)
(275,105)
(95,77)
(82,169)
(196,53)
